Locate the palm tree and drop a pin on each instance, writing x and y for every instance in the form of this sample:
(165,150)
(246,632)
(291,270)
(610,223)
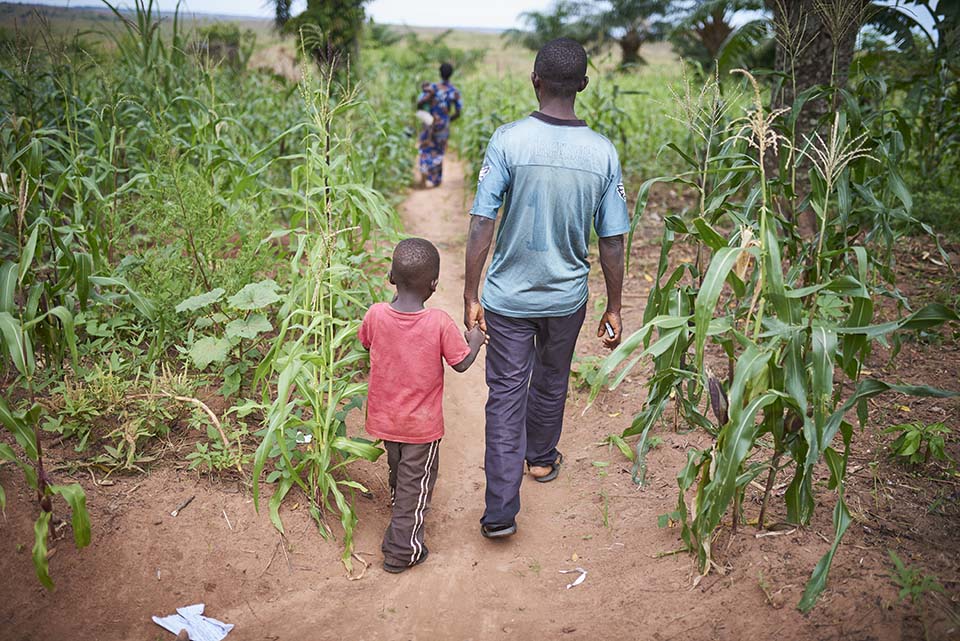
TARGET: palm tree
(563,21)
(630,23)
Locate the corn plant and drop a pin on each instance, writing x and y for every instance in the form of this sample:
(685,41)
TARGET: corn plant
(315,358)
(772,348)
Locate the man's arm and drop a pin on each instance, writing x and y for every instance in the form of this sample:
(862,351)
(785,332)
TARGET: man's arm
(611,262)
(479,239)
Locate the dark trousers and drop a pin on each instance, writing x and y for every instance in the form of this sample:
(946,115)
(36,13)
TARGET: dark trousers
(413,473)
(528,371)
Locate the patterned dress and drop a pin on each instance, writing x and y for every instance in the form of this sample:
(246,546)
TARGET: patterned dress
(440,99)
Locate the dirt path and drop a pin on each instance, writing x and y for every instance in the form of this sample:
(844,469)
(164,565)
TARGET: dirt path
(472,588)
(220,552)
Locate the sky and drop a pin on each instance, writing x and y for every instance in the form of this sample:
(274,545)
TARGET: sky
(498,14)
(495,14)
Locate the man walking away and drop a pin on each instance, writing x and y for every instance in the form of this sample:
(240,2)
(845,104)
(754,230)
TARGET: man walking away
(554,178)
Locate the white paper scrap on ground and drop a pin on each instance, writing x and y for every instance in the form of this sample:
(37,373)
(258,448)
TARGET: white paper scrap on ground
(577,581)
(199,627)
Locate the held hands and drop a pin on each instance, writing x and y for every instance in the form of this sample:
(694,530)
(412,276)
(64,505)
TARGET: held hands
(475,337)
(613,319)
(473,314)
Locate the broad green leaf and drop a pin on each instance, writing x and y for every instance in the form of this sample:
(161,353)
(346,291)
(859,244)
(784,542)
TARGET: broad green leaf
(77,499)
(738,441)
(357,448)
(749,367)
(622,445)
(639,207)
(26,255)
(773,268)
(282,488)
(18,344)
(818,580)
(8,286)
(83,274)
(824,349)
(200,300)
(711,237)
(209,350)
(141,304)
(723,261)
(255,296)
(22,432)
(41,529)
(249,327)
(66,321)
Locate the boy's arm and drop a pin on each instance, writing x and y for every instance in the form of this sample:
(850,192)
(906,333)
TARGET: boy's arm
(479,239)
(475,339)
(611,262)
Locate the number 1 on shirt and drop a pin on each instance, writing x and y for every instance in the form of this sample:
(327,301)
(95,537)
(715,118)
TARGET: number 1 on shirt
(538,234)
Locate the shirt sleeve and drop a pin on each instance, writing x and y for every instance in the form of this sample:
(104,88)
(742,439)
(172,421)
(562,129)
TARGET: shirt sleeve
(364,333)
(452,344)
(493,180)
(457,100)
(612,218)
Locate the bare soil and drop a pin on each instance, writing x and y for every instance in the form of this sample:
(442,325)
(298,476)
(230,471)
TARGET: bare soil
(219,551)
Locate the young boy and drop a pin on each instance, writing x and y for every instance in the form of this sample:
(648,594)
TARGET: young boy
(408,344)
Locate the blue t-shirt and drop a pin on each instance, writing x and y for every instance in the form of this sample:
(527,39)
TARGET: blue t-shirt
(554,178)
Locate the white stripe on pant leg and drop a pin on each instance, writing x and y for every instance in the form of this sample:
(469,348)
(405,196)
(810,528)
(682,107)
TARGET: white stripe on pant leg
(421,503)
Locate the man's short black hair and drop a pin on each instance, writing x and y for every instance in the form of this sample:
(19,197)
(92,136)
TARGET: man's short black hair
(446,70)
(562,66)
(416,263)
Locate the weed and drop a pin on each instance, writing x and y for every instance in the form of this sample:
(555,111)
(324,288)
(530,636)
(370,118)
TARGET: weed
(604,508)
(918,442)
(584,371)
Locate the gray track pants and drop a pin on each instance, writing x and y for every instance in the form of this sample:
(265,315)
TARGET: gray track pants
(528,371)
(413,473)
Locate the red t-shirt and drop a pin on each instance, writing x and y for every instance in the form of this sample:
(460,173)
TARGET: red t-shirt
(405,396)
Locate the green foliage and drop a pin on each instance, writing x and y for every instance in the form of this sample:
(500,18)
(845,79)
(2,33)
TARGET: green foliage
(217,456)
(23,426)
(255,296)
(315,358)
(784,331)
(629,23)
(914,71)
(914,584)
(563,20)
(329,29)
(707,35)
(584,371)
(209,349)
(224,42)
(140,185)
(917,442)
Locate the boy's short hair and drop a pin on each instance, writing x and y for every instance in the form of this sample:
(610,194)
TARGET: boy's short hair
(446,70)
(562,66)
(416,263)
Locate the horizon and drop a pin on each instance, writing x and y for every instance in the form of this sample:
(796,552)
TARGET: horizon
(497,15)
(380,11)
